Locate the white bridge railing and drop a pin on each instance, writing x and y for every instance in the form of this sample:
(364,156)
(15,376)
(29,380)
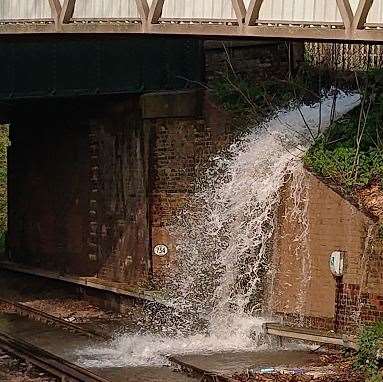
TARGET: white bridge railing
(349,20)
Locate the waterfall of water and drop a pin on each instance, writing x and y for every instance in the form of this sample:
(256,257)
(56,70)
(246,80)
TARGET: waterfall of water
(224,240)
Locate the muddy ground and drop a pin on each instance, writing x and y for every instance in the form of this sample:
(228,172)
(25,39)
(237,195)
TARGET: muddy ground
(330,367)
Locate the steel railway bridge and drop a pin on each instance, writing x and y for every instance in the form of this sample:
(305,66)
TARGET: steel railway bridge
(334,20)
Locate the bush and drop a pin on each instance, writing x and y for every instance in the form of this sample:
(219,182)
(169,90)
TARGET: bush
(338,164)
(237,94)
(350,153)
(370,344)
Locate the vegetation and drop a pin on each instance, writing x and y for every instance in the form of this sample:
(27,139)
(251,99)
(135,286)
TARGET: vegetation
(370,349)
(239,96)
(4,141)
(257,101)
(350,153)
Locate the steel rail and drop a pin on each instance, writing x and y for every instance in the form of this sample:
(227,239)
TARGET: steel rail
(52,364)
(38,315)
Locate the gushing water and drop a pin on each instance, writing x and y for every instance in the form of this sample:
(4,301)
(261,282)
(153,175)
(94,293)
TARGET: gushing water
(224,243)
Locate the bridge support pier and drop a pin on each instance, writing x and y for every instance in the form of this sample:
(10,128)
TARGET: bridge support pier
(93,191)
(78,188)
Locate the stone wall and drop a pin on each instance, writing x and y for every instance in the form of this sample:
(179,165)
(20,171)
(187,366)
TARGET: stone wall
(304,290)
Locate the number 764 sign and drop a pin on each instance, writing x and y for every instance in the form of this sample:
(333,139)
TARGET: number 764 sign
(161,250)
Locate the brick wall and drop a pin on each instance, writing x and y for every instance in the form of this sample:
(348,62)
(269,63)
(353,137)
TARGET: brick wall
(180,150)
(185,136)
(118,210)
(334,224)
(78,188)
(114,173)
(255,61)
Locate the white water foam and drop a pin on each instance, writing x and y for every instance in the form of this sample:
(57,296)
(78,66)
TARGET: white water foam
(223,244)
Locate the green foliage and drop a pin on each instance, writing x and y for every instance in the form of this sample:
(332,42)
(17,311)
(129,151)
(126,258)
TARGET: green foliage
(240,96)
(338,162)
(370,343)
(259,99)
(350,153)
(375,378)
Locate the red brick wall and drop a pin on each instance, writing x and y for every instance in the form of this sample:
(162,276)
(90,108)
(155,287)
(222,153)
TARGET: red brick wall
(334,224)
(255,61)
(180,152)
(356,307)
(78,189)
(110,183)
(118,209)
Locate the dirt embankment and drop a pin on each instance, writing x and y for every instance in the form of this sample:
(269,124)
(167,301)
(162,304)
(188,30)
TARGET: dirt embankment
(371,198)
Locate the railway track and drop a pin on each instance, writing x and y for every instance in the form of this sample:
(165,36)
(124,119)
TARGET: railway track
(52,364)
(58,367)
(38,315)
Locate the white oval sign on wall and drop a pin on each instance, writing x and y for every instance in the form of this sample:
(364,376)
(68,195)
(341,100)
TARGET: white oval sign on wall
(161,250)
(337,263)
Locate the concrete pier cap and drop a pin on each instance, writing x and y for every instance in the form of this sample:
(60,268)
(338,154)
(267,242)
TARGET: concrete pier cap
(173,104)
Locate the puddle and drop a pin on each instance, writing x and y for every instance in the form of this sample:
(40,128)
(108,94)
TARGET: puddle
(230,363)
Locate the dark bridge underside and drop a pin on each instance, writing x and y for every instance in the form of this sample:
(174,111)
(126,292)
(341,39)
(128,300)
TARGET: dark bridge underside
(51,66)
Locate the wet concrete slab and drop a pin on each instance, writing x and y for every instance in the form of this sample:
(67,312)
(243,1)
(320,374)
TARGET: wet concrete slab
(236,362)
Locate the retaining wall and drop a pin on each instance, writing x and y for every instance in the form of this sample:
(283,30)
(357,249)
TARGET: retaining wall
(304,290)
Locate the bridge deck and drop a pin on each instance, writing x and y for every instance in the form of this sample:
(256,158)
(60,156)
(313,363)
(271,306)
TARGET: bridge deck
(346,20)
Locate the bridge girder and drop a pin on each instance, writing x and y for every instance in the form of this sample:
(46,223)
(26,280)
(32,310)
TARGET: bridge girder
(247,23)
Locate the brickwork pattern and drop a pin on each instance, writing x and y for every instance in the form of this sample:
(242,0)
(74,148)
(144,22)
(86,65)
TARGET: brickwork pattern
(334,224)
(120,176)
(93,243)
(356,308)
(181,149)
(255,62)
